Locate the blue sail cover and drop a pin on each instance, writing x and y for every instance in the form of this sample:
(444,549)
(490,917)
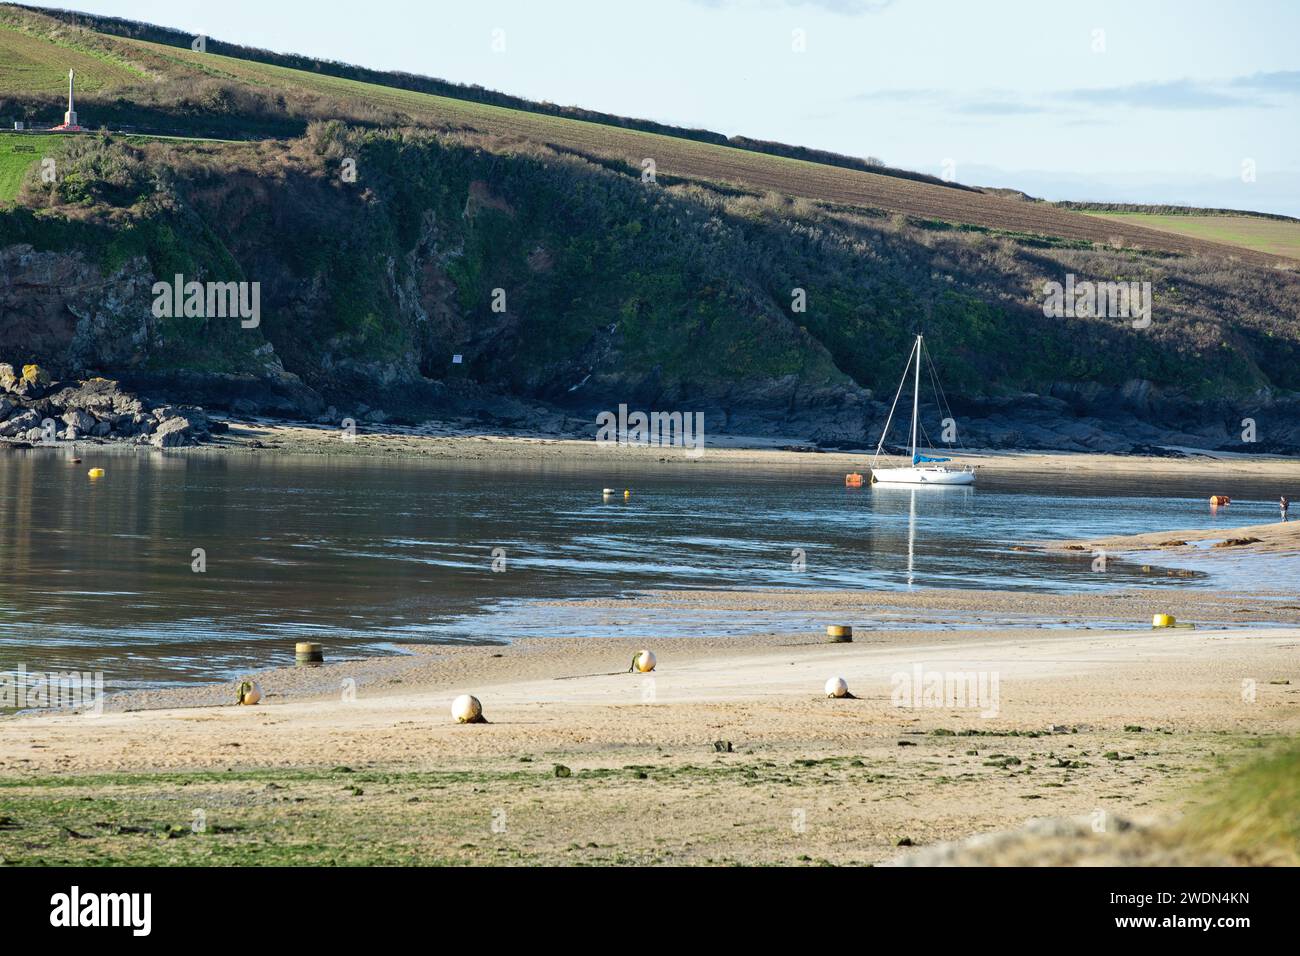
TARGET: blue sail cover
(918,458)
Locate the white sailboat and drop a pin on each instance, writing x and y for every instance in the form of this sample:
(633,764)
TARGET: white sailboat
(923,469)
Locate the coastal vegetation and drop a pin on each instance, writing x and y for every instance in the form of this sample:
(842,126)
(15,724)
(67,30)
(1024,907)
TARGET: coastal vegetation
(1252,813)
(677,289)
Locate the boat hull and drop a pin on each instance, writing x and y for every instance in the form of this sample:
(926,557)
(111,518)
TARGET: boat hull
(922,476)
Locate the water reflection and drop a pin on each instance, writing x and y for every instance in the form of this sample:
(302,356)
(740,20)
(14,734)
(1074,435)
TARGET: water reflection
(366,555)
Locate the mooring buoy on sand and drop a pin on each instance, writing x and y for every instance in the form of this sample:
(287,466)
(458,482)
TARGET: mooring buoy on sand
(644,662)
(840,633)
(467,710)
(306,652)
(1162,620)
(837,687)
(250,692)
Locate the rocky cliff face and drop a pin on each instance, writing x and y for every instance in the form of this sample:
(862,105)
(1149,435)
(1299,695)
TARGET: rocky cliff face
(449,276)
(71,315)
(58,306)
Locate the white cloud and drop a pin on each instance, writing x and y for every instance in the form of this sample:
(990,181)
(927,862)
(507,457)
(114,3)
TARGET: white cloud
(1257,91)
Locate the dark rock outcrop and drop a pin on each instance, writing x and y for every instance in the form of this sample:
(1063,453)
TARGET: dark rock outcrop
(32,407)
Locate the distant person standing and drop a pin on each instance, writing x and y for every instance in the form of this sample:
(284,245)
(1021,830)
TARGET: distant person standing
(1284,504)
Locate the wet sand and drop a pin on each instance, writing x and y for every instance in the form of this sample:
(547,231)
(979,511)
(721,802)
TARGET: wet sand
(1277,538)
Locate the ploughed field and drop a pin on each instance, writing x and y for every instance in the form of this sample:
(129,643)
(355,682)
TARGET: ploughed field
(30,64)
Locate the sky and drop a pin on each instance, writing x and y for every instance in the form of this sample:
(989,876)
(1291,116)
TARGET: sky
(1187,102)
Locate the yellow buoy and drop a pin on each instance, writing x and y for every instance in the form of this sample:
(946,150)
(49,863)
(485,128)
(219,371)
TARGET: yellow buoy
(627,494)
(307,652)
(96,473)
(840,633)
(1162,620)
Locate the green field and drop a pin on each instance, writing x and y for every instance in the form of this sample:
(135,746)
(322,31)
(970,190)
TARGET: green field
(20,151)
(1276,236)
(15,160)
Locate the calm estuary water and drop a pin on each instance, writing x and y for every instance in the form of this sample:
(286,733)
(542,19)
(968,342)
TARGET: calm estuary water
(368,555)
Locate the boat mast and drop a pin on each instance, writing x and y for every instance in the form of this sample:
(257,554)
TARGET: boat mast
(892,408)
(916,397)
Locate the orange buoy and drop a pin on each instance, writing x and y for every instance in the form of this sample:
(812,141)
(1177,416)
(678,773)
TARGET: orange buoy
(853,480)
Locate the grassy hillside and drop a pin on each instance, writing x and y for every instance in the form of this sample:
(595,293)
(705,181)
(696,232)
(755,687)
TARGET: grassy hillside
(40,65)
(102,27)
(675,294)
(99,36)
(1273,235)
(681,159)
(214,94)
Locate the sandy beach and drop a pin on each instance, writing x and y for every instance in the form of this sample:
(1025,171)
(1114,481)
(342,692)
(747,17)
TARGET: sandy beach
(729,752)
(464,443)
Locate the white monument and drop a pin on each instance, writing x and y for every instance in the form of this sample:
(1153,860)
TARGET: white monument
(70,117)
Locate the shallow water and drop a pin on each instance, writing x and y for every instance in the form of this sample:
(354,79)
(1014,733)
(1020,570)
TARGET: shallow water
(367,555)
